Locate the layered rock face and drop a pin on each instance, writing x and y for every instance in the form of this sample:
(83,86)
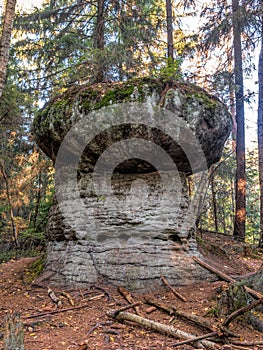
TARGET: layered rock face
(122,213)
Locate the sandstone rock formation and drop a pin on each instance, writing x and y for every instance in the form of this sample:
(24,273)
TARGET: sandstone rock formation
(122,152)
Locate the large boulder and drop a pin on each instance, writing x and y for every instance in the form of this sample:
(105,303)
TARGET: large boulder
(122,213)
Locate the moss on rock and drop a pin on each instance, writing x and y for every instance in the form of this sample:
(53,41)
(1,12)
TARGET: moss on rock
(185,100)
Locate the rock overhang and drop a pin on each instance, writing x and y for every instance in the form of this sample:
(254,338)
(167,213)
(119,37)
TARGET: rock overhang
(206,117)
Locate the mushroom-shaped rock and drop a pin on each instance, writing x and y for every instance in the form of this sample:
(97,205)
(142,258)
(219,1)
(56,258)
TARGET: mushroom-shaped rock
(122,152)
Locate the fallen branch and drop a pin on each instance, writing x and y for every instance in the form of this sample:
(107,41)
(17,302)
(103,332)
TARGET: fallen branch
(151,309)
(102,290)
(205,336)
(60,310)
(66,295)
(161,328)
(244,343)
(124,308)
(225,277)
(212,269)
(198,320)
(177,294)
(127,295)
(241,311)
(97,325)
(54,298)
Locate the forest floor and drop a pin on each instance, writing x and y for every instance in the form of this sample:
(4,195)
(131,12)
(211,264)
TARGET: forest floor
(89,328)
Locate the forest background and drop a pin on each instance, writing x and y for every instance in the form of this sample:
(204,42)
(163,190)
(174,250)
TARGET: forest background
(57,45)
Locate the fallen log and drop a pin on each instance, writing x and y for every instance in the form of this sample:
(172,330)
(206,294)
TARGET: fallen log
(197,320)
(212,269)
(254,293)
(161,328)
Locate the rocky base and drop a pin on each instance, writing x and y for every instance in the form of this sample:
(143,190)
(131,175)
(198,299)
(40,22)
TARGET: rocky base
(136,267)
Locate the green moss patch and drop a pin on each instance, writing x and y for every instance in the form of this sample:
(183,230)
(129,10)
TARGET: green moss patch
(34,269)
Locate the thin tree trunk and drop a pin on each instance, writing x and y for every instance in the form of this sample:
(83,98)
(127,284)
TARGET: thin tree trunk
(232,202)
(38,199)
(214,203)
(99,40)
(260,133)
(9,15)
(224,220)
(240,212)
(11,214)
(169,19)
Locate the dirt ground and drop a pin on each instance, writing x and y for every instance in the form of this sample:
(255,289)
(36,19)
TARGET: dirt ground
(90,328)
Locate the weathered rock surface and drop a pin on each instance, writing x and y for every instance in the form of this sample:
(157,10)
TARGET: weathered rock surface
(132,222)
(207,119)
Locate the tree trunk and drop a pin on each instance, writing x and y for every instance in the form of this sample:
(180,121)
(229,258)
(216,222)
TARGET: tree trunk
(169,19)
(9,15)
(260,134)
(214,203)
(99,40)
(8,195)
(240,212)
(38,199)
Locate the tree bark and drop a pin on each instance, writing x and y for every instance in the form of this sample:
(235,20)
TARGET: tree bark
(260,133)
(10,207)
(9,15)
(240,212)
(99,40)
(214,203)
(169,20)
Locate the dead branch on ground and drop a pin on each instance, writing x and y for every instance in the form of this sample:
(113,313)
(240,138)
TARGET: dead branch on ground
(124,308)
(54,298)
(177,294)
(205,336)
(99,324)
(244,343)
(103,290)
(127,295)
(197,320)
(67,296)
(61,310)
(225,277)
(241,311)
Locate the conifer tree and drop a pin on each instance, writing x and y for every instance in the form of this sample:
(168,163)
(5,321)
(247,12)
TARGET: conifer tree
(240,213)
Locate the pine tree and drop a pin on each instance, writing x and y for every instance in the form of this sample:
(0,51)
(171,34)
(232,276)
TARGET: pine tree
(240,214)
